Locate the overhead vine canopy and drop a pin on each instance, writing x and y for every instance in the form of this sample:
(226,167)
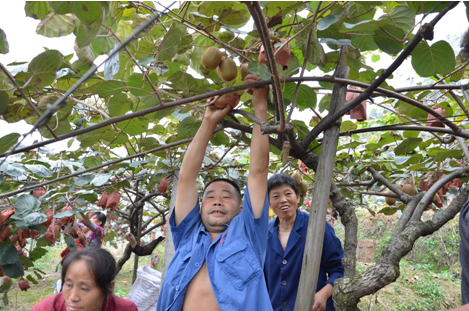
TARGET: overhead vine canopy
(133,120)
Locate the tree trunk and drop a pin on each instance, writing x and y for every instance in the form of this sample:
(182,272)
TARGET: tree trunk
(139,236)
(348,291)
(317,221)
(169,246)
(124,258)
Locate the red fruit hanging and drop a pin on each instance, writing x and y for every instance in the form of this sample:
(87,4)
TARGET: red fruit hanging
(50,215)
(359,112)
(6,214)
(4,232)
(434,121)
(53,231)
(163,186)
(39,192)
(103,200)
(23,284)
(67,219)
(113,200)
(1,271)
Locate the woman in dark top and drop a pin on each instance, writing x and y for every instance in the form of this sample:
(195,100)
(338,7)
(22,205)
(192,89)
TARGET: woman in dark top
(155,248)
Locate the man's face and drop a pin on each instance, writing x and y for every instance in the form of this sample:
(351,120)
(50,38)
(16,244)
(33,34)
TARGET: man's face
(220,205)
(283,201)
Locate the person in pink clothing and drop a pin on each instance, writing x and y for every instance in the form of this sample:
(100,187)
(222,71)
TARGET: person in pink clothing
(94,229)
(87,284)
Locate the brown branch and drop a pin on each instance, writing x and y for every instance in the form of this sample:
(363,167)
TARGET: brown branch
(259,20)
(400,194)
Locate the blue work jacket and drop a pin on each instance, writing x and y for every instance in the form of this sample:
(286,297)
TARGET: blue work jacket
(234,261)
(282,268)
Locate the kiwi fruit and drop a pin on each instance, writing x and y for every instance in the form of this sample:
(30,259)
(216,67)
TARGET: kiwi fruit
(297,176)
(221,105)
(46,99)
(408,189)
(227,69)
(303,187)
(389,200)
(211,58)
(244,70)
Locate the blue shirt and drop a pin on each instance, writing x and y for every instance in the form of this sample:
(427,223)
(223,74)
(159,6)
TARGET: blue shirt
(283,268)
(234,261)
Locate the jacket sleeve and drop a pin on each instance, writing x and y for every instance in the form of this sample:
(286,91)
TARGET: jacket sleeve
(332,254)
(147,249)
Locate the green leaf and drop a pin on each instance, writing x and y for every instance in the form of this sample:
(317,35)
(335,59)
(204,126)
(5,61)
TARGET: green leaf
(30,278)
(61,7)
(148,143)
(407,145)
(183,81)
(4,102)
(85,54)
(86,33)
(24,205)
(36,9)
(436,59)
(450,154)
(119,104)
(14,270)
(188,127)
(100,179)
(44,67)
(324,102)
(54,25)
(325,22)
(92,162)
(347,126)
(64,214)
(134,127)
(88,11)
(84,179)
(363,25)
(39,170)
(8,141)
(137,84)
(411,111)
(70,243)
(306,96)
(34,219)
(386,42)
(8,254)
(4,47)
(219,139)
(109,88)
(316,54)
(260,69)
(168,47)
(235,17)
(401,17)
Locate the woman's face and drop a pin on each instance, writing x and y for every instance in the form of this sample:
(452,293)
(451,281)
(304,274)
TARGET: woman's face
(283,201)
(80,290)
(94,219)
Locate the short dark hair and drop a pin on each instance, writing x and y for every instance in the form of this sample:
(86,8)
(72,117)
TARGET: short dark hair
(231,182)
(101,217)
(282,179)
(100,263)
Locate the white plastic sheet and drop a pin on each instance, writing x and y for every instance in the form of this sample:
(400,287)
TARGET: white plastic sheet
(146,289)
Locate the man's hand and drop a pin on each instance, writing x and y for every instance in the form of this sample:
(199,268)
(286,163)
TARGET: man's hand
(214,114)
(130,237)
(261,91)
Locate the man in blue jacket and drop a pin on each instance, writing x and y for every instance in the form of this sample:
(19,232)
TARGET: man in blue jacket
(286,243)
(220,247)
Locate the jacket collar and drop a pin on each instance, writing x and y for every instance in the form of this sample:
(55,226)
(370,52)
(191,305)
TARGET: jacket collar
(293,239)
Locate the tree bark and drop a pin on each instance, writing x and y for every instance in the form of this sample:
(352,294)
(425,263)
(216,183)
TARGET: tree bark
(124,258)
(348,291)
(317,220)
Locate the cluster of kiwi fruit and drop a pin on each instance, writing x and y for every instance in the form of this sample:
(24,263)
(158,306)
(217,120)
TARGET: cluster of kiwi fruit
(225,67)
(302,184)
(407,188)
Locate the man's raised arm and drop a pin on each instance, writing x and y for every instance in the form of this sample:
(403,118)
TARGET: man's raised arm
(187,194)
(259,165)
